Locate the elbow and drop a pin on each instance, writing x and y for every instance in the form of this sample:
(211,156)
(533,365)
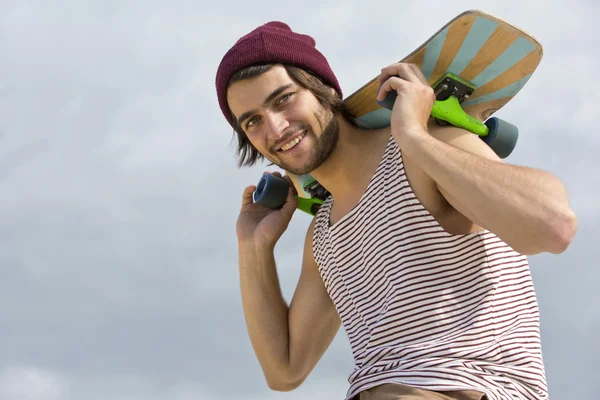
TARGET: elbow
(281,385)
(554,235)
(284,382)
(563,230)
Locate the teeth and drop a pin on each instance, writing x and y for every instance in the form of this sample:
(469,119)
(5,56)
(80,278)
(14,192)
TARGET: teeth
(292,143)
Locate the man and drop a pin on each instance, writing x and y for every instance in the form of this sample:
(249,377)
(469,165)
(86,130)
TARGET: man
(420,251)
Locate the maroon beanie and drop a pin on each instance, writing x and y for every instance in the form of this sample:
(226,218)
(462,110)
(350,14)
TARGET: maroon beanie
(273,42)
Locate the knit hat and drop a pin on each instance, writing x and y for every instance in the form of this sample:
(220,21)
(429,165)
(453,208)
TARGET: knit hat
(273,42)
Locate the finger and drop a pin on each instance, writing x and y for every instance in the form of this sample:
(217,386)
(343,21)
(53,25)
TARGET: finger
(392,83)
(247,196)
(401,70)
(288,178)
(389,71)
(384,74)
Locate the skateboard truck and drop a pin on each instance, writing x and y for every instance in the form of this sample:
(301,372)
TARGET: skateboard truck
(452,85)
(451,91)
(314,188)
(317,194)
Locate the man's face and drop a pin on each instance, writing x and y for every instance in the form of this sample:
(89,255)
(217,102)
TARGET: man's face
(284,121)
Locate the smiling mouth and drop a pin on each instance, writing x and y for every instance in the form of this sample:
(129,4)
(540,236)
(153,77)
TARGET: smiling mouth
(292,143)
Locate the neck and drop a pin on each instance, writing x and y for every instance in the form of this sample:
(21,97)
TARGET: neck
(351,165)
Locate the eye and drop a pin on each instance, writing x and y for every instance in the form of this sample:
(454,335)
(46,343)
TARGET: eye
(251,122)
(284,98)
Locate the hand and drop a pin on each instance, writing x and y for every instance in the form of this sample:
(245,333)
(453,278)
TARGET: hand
(412,107)
(260,225)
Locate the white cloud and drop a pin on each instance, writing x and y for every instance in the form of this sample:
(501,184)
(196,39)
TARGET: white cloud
(28,383)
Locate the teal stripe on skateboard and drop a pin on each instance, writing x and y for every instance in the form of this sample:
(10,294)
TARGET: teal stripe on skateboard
(508,91)
(432,52)
(480,32)
(512,55)
(377,119)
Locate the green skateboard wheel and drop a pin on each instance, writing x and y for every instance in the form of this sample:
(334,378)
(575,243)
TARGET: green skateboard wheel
(502,136)
(271,191)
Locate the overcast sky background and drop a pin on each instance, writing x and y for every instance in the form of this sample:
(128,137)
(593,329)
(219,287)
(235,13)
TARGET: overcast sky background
(119,190)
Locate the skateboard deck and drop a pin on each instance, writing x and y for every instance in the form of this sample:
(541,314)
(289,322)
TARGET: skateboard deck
(493,56)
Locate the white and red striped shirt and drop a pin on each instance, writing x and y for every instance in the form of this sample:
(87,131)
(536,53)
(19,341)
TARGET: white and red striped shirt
(423,307)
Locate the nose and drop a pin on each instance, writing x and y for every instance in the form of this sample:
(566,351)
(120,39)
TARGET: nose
(276,124)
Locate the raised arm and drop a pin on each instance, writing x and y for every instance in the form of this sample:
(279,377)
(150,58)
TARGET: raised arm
(288,340)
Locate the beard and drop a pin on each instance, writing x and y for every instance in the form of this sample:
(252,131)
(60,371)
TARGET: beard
(322,148)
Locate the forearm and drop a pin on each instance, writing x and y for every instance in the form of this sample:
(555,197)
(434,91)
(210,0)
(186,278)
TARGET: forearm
(265,311)
(525,207)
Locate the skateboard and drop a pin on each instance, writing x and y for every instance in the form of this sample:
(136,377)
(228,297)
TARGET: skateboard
(476,63)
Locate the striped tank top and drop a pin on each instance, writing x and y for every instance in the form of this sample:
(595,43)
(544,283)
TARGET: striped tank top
(423,307)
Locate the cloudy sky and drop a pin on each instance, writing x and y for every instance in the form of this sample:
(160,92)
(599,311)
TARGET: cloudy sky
(119,191)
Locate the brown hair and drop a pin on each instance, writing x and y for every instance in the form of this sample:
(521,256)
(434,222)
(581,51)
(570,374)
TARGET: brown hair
(246,152)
